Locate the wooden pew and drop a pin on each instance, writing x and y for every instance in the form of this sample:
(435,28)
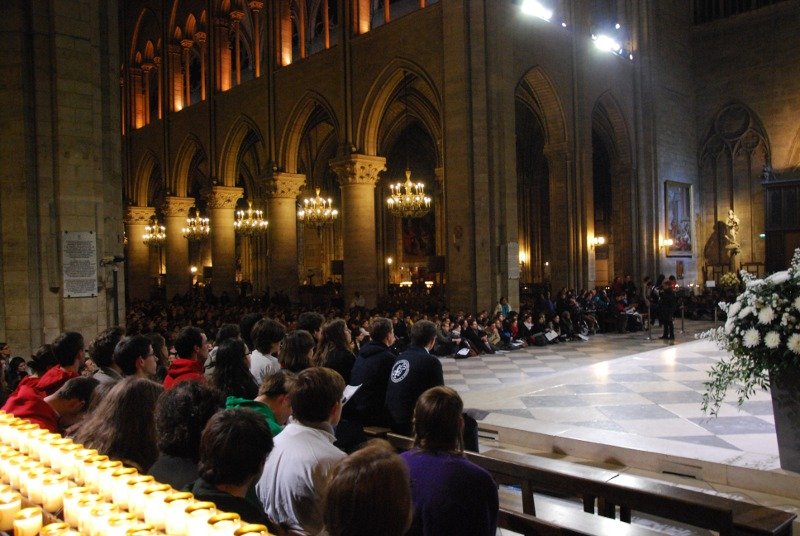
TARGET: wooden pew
(565,521)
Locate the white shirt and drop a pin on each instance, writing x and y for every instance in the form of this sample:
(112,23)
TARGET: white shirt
(295,476)
(262,365)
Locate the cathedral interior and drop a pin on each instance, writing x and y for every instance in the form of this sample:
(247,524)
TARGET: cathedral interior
(557,143)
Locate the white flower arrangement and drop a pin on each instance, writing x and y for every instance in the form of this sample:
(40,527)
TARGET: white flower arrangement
(761,334)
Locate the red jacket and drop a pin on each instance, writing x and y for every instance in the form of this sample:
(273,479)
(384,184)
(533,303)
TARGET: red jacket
(184,370)
(49,382)
(28,403)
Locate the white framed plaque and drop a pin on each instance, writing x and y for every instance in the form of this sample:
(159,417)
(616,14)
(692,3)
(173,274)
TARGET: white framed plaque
(79,263)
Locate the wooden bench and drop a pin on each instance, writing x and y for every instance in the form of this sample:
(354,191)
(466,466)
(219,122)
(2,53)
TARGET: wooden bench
(565,521)
(608,489)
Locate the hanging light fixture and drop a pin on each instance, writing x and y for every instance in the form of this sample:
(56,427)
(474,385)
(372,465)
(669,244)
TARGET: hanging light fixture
(250,222)
(408,199)
(155,234)
(197,228)
(317,211)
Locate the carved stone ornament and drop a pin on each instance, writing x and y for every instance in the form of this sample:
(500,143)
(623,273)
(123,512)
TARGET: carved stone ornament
(224,196)
(138,215)
(177,206)
(358,169)
(282,185)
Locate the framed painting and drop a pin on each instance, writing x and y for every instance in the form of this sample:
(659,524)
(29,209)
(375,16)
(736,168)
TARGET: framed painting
(678,212)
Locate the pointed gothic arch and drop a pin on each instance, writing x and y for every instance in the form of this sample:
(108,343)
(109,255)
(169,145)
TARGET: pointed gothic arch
(538,92)
(385,91)
(231,148)
(297,124)
(139,189)
(189,149)
(148,28)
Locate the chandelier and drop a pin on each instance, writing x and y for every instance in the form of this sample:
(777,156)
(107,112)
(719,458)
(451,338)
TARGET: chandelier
(408,200)
(317,212)
(197,229)
(250,222)
(154,234)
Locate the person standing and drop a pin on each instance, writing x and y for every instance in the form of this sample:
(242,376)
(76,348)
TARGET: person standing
(667,308)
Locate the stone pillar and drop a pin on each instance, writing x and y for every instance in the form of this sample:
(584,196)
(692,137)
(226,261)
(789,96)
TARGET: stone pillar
(222,75)
(179,278)
(221,213)
(255,8)
(160,98)
(358,174)
(200,37)
(175,75)
(236,20)
(137,98)
(146,68)
(282,192)
(186,45)
(562,249)
(137,256)
(438,208)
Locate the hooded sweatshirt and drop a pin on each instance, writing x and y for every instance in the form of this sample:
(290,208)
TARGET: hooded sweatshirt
(184,370)
(51,381)
(28,403)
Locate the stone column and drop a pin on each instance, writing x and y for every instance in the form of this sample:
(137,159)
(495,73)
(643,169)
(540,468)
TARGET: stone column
(358,174)
(221,213)
(255,8)
(137,254)
(282,192)
(187,45)
(200,37)
(179,278)
(562,249)
(438,208)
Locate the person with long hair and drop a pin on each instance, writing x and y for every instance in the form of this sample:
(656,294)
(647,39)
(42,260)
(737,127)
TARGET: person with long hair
(451,495)
(123,424)
(232,370)
(297,350)
(335,349)
(369,493)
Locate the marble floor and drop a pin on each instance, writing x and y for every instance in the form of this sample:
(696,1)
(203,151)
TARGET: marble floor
(633,403)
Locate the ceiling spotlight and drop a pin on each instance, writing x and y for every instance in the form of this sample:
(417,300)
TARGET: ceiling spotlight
(606,43)
(616,26)
(536,9)
(563,24)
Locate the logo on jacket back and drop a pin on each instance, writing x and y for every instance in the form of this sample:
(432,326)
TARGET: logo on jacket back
(400,370)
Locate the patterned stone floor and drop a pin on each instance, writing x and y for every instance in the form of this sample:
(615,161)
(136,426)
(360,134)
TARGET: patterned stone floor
(616,383)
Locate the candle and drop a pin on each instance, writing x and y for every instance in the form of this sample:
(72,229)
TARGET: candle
(176,512)
(197,515)
(10,504)
(119,485)
(18,470)
(50,454)
(37,442)
(64,460)
(252,530)
(118,524)
(155,509)
(55,529)
(83,509)
(32,483)
(28,522)
(71,497)
(88,471)
(98,517)
(53,489)
(143,529)
(135,493)
(105,473)
(24,437)
(224,524)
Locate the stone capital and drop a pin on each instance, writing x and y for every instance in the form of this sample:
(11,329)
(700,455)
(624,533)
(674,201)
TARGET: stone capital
(200,37)
(237,16)
(358,169)
(224,196)
(255,5)
(147,67)
(177,206)
(285,185)
(139,215)
(187,43)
